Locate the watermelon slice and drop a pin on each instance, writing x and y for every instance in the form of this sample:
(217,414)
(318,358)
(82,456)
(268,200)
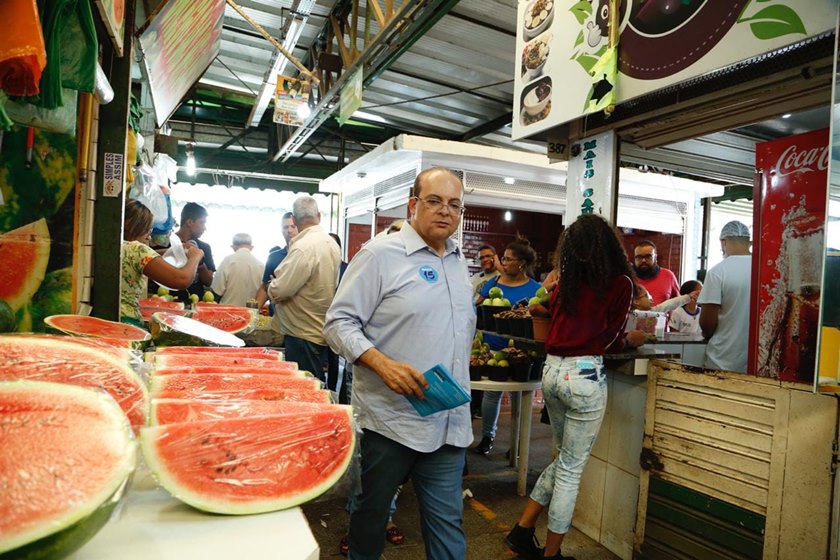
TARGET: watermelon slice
(114,346)
(209,382)
(188,360)
(249,352)
(306,396)
(43,358)
(149,306)
(251,465)
(83,325)
(24,252)
(228,318)
(67,454)
(230,370)
(170,329)
(171,411)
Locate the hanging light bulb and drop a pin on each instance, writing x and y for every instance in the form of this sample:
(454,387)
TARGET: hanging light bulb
(508,216)
(190,160)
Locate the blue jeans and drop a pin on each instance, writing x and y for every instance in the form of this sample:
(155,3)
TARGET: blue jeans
(491,405)
(576,402)
(309,356)
(437,483)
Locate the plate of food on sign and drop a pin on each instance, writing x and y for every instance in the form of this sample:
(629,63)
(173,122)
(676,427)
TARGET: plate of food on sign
(536,101)
(538,16)
(534,57)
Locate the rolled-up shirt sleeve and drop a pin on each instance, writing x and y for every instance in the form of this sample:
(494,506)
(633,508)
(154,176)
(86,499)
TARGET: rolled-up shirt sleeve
(354,304)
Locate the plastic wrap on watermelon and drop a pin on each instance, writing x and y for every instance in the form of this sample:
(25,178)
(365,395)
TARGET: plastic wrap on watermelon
(253,464)
(75,361)
(116,334)
(68,455)
(233,319)
(261,353)
(169,329)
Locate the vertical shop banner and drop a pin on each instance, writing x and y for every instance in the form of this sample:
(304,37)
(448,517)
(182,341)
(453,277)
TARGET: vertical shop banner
(589,179)
(37,228)
(113,16)
(564,44)
(290,97)
(789,222)
(351,97)
(179,42)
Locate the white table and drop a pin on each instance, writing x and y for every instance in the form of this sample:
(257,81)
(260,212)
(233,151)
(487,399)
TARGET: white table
(520,423)
(153,524)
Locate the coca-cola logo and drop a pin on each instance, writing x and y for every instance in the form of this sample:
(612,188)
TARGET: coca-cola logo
(794,160)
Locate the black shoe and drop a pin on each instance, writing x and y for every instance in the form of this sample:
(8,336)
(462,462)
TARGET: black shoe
(524,543)
(485,446)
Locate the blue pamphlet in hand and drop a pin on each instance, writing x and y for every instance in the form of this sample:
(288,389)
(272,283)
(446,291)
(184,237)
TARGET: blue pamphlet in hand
(443,393)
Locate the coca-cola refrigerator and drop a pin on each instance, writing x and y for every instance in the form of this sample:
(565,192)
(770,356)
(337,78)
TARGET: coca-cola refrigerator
(788,240)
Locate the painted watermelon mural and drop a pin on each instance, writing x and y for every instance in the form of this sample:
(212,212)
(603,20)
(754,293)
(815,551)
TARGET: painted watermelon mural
(37,228)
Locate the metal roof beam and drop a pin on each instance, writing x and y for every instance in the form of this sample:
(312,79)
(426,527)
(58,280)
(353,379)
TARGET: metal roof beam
(486,128)
(409,23)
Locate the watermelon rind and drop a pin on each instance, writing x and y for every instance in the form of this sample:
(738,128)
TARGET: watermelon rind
(296,428)
(60,535)
(43,357)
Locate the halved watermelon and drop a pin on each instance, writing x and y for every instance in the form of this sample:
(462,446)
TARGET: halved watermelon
(84,325)
(221,360)
(170,329)
(209,382)
(307,395)
(251,465)
(44,358)
(171,411)
(67,454)
(230,370)
(228,318)
(247,352)
(114,346)
(24,252)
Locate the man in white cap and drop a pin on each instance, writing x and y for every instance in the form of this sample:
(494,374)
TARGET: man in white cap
(725,301)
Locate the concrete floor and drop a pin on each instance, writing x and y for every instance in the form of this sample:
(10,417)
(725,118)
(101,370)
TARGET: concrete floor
(488,515)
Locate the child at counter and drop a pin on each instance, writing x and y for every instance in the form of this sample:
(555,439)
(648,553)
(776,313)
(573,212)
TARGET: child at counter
(685,319)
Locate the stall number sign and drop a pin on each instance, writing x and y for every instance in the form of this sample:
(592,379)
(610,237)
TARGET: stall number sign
(589,157)
(557,150)
(113,178)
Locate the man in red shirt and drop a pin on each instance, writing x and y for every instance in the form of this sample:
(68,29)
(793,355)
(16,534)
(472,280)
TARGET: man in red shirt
(659,282)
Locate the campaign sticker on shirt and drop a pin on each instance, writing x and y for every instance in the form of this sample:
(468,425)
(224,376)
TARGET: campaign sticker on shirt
(428,274)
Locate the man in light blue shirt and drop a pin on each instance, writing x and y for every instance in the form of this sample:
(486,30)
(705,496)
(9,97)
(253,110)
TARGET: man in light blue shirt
(404,305)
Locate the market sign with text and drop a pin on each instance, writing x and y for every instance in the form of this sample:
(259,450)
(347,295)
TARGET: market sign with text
(179,42)
(563,43)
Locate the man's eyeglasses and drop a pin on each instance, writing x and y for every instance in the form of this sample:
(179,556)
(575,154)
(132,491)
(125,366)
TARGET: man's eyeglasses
(643,257)
(435,204)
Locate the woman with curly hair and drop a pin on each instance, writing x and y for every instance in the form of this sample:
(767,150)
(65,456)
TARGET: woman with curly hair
(588,310)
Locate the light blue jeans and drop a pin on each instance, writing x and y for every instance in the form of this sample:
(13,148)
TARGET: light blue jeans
(576,400)
(491,405)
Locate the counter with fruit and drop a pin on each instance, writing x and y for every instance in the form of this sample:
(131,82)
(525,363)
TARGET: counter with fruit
(212,425)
